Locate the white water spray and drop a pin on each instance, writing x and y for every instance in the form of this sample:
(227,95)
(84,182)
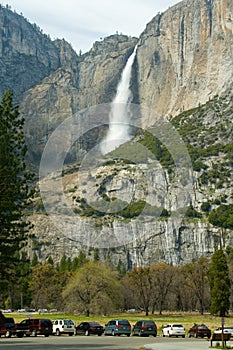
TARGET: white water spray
(118,132)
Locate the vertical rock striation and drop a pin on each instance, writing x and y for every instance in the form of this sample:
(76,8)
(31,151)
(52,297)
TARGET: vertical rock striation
(185,56)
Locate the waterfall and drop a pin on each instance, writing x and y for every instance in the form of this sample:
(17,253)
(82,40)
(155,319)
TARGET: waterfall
(118,132)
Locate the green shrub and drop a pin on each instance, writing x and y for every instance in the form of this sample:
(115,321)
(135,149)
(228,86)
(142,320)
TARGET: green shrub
(222,216)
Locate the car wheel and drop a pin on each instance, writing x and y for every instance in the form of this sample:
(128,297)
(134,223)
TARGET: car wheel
(33,333)
(128,335)
(163,335)
(8,334)
(46,335)
(71,334)
(20,335)
(183,336)
(99,334)
(113,333)
(87,332)
(58,332)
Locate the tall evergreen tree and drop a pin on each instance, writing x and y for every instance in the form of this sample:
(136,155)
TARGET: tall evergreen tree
(14,187)
(219,284)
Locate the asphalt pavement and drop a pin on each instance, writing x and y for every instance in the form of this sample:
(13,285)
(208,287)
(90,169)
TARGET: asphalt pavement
(192,345)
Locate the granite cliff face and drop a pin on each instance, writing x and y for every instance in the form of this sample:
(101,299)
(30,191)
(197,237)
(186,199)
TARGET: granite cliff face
(26,55)
(184,58)
(72,88)
(141,213)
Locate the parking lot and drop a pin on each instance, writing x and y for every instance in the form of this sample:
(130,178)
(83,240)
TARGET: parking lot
(103,342)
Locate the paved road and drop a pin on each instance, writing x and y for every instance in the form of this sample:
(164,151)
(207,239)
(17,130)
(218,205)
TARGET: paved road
(99,343)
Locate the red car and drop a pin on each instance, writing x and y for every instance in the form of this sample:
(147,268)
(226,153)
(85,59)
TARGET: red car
(200,330)
(3,330)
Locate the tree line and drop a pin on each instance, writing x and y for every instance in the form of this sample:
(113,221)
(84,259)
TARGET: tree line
(87,287)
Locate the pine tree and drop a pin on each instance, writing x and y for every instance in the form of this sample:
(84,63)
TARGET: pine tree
(219,284)
(14,188)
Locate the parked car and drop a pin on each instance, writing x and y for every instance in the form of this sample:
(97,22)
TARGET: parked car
(64,326)
(117,327)
(34,327)
(3,330)
(7,326)
(10,326)
(88,328)
(145,328)
(225,330)
(174,330)
(200,330)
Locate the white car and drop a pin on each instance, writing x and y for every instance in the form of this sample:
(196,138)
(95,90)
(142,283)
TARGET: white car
(64,327)
(174,330)
(225,330)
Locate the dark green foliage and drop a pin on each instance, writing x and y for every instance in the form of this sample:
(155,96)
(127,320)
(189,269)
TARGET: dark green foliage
(165,213)
(14,187)
(50,261)
(133,209)
(222,216)
(34,260)
(202,139)
(96,254)
(156,147)
(192,213)
(117,207)
(206,207)
(121,268)
(64,265)
(219,284)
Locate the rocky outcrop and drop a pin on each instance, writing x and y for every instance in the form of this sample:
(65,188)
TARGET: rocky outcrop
(143,212)
(27,55)
(185,56)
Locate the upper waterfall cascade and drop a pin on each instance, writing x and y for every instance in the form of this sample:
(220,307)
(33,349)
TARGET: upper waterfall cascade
(119,116)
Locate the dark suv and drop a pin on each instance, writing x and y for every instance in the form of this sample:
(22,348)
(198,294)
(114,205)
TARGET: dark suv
(145,328)
(34,327)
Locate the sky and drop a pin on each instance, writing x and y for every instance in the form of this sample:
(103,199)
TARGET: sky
(82,22)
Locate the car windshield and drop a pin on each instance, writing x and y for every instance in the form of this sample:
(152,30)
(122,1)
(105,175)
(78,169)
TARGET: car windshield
(94,324)
(149,323)
(177,326)
(124,323)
